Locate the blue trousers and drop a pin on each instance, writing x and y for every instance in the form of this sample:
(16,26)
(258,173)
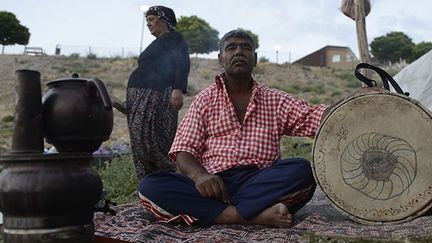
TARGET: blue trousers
(250,190)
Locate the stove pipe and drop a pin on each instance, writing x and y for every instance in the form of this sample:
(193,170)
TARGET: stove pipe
(28,124)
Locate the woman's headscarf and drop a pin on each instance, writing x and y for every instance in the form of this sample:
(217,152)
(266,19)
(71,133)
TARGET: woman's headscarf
(165,14)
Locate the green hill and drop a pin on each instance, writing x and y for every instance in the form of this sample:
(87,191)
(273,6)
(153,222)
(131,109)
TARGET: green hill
(318,85)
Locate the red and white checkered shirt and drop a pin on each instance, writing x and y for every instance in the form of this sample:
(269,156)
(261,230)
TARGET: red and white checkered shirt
(211,132)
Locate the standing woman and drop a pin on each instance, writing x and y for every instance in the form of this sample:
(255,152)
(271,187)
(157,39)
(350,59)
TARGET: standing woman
(155,93)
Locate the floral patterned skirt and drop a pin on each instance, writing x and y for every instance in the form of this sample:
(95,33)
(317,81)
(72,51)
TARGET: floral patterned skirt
(152,125)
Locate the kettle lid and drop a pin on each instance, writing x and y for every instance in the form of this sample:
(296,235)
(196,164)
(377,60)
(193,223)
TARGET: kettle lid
(75,78)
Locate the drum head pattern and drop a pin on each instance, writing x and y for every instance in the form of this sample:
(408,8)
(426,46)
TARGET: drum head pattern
(372,157)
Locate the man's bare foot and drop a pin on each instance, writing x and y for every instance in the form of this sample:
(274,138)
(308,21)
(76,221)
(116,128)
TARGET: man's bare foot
(276,215)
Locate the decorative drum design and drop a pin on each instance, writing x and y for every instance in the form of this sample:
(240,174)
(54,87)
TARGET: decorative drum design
(372,157)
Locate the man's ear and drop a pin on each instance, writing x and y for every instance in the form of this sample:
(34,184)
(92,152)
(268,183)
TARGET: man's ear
(220,60)
(256,58)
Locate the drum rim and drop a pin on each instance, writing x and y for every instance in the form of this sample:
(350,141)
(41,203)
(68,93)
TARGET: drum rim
(343,211)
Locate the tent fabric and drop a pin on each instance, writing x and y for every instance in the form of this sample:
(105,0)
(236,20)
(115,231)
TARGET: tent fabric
(416,79)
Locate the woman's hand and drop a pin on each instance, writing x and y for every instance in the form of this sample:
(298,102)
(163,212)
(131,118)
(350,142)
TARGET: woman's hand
(176,99)
(118,104)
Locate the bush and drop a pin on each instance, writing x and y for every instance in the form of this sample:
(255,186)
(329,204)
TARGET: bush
(74,55)
(351,80)
(7,119)
(91,56)
(119,179)
(336,93)
(318,89)
(263,59)
(296,147)
(315,101)
(290,88)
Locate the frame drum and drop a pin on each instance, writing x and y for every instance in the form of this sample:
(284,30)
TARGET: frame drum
(372,157)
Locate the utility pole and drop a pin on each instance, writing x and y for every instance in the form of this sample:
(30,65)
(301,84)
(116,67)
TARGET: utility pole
(358,10)
(360,20)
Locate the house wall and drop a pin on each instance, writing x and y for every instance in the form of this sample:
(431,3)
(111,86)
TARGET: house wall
(317,59)
(331,56)
(340,58)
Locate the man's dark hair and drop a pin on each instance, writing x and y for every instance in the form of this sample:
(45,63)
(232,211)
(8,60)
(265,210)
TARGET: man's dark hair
(235,33)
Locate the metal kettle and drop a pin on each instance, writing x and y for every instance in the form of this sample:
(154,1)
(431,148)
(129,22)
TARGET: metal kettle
(77,114)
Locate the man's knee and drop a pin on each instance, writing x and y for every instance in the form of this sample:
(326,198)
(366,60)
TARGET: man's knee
(304,166)
(300,169)
(300,165)
(149,187)
(305,169)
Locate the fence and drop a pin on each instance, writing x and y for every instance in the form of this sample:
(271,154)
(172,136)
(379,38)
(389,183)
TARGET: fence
(125,52)
(66,50)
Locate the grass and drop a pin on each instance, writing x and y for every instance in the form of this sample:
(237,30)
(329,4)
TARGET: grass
(350,80)
(119,178)
(6,129)
(296,147)
(77,67)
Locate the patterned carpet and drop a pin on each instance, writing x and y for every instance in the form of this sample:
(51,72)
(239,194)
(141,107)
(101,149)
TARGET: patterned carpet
(133,224)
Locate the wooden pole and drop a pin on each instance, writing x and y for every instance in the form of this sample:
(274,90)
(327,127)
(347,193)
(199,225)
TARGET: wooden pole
(360,19)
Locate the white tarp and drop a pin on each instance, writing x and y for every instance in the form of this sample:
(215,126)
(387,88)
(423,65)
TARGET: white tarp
(416,79)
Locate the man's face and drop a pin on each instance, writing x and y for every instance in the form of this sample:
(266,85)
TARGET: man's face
(238,56)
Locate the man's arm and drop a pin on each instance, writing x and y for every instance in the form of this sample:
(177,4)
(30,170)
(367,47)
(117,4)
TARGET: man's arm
(208,185)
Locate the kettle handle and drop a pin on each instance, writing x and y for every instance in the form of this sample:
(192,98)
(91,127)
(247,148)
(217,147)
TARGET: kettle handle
(103,92)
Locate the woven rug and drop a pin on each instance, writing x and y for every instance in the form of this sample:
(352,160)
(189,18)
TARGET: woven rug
(133,223)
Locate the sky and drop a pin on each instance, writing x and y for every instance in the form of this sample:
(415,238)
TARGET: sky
(290,28)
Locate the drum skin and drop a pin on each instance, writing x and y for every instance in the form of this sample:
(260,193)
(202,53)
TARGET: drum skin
(372,157)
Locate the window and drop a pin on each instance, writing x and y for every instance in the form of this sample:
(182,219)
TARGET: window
(336,58)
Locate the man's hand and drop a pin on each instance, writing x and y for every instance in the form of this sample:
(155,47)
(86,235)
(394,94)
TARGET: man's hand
(211,186)
(208,185)
(176,99)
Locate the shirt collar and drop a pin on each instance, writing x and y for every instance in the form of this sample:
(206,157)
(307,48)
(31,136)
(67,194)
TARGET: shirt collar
(220,84)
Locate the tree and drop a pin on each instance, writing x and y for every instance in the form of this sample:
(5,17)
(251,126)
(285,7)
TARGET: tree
(420,49)
(11,31)
(254,37)
(199,35)
(392,47)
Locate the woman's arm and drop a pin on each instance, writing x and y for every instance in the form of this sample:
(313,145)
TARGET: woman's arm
(118,104)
